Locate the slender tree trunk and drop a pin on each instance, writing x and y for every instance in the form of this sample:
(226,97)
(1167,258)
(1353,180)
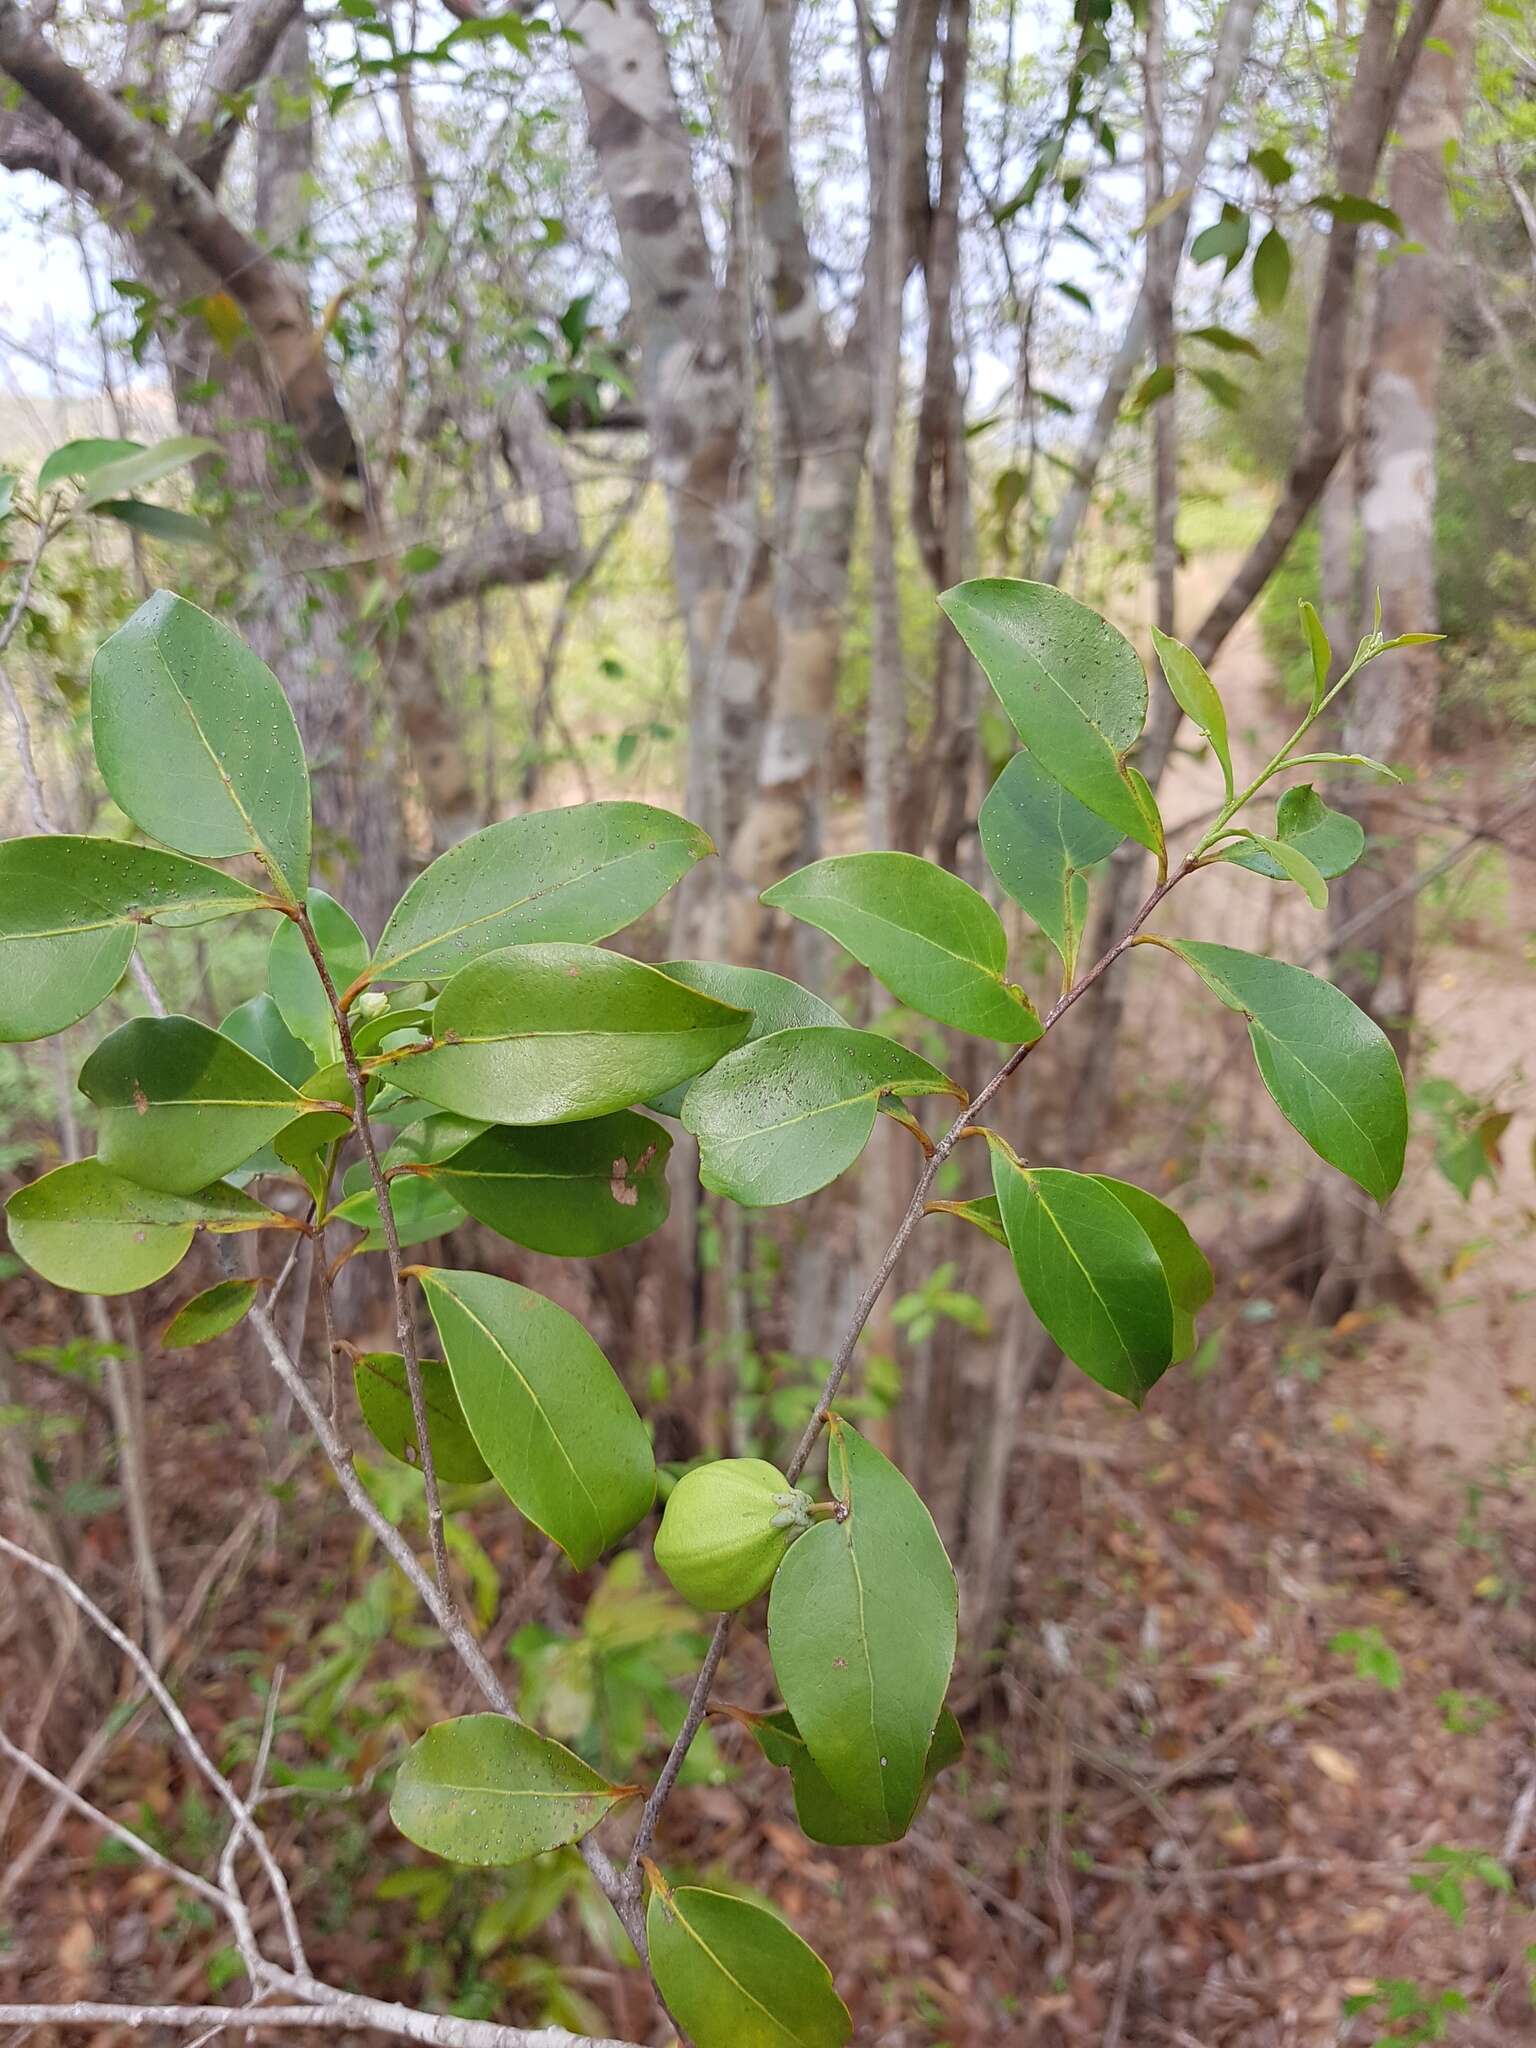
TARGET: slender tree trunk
(1389,712)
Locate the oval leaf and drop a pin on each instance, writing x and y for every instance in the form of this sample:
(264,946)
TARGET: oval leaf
(1186,1269)
(384,1397)
(88,1229)
(128,474)
(735,1976)
(861,1628)
(75,459)
(578,874)
(1291,864)
(935,943)
(557,1034)
(258,1026)
(1196,696)
(70,909)
(180,1104)
(783,1117)
(1073,686)
(195,740)
(776,1003)
(1330,1068)
(209,1314)
(823,1817)
(487,1790)
(294,980)
(1038,839)
(570,1189)
(1089,1271)
(1331,840)
(547,1410)
(420,1210)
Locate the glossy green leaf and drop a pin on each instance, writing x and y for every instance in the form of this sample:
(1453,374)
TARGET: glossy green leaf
(982,1214)
(1330,840)
(195,740)
(1089,1271)
(88,1229)
(572,875)
(259,1027)
(548,1412)
(1186,1269)
(429,1140)
(1038,839)
(179,1105)
(547,1034)
(776,1003)
(384,1398)
(823,1817)
(487,1790)
(936,944)
(294,981)
(1289,862)
(421,1211)
(861,1629)
(209,1314)
(1320,649)
(784,1116)
(735,1976)
(1196,696)
(127,475)
(571,1189)
(1073,687)
(1330,1068)
(70,910)
(76,459)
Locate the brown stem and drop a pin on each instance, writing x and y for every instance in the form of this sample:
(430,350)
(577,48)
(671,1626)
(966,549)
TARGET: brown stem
(405,1328)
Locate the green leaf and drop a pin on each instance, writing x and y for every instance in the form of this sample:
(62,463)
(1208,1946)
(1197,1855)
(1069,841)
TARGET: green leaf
(936,944)
(983,1214)
(1329,1067)
(258,1026)
(294,980)
(546,1034)
(1228,343)
(1358,211)
(1089,1271)
(573,875)
(209,1314)
(861,1629)
(1332,841)
(158,521)
(734,1976)
(1225,240)
(782,1117)
(1186,1269)
(70,911)
(384,1398)
(547,1410)
(76,459)
(195,740)
(1038,839)
(1196,696)
(1344,761)
(573,1190)
(1319,649)
(776,1003)
(823,1817)
(1072,685)
(1272,165)
(1272,271)
(130,474)
(420,1210)
(1156,384)
(180,1104)
(1292,865)
(487,1790)
(87,1229)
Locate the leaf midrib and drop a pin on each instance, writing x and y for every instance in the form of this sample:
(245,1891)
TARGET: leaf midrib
(728,1974)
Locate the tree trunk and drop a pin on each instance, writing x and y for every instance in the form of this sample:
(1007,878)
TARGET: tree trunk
(1389,711)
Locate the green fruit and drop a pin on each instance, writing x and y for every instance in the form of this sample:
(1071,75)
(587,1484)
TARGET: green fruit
(726,1527)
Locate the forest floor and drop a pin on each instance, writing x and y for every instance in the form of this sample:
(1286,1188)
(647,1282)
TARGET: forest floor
(1266,1704)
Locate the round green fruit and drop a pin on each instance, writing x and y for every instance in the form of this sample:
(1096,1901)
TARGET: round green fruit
(725,1528)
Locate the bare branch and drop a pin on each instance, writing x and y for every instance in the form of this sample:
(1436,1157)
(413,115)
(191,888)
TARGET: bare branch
(342,2012)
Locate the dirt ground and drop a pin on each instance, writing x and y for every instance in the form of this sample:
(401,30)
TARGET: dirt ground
(1270,1654)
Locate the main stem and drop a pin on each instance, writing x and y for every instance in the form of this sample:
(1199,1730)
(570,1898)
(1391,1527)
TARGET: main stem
(405,1327)
(698,1702)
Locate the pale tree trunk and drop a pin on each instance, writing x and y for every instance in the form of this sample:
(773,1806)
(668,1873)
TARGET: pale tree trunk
(1389,711)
